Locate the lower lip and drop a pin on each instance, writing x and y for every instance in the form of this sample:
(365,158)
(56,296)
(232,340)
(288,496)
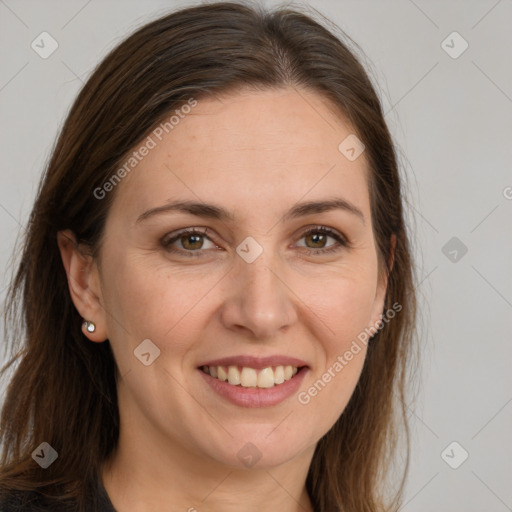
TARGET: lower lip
(256,397)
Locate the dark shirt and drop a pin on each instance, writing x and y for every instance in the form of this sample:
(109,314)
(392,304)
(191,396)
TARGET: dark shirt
(31,501)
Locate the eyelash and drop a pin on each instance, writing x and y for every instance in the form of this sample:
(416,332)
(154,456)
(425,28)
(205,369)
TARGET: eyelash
(341,241)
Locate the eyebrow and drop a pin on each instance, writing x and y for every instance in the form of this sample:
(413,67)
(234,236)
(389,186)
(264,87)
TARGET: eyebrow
(212,211)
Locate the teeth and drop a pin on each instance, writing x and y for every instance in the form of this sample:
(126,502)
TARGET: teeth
(279,375)
(221,373)
(250,377)
(266,378)
(233,375)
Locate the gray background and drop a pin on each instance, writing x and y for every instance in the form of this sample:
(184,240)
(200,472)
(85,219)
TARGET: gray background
(452,119)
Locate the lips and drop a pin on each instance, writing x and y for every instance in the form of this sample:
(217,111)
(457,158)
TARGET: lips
(249,381)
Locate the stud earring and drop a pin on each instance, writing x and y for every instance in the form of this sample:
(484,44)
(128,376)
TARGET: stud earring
(89,326)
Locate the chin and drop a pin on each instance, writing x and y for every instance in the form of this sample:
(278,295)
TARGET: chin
(259,451)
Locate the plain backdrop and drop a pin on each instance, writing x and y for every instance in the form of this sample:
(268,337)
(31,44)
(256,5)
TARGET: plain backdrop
(448,103)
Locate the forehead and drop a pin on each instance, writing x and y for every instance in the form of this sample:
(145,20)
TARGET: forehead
(277,125)
(273,146)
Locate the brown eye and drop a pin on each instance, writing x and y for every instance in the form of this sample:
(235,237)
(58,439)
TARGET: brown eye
(187,242)
(316,240)
(191,241)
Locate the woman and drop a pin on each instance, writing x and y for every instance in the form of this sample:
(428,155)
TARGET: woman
(216,281)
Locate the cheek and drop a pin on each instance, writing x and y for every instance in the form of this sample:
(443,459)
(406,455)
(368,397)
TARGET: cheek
(344,304)
(148,301)
(355,305)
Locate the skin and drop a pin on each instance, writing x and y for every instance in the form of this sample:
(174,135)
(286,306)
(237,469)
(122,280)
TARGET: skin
(256,154)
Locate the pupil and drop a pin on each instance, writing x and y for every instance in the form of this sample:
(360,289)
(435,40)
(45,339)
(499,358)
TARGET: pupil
(317,238)
(192,237)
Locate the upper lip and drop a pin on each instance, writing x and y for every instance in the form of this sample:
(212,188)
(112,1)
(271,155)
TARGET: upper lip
(256,362)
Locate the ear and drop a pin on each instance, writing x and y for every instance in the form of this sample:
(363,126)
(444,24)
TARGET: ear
(382,285)
(84,284)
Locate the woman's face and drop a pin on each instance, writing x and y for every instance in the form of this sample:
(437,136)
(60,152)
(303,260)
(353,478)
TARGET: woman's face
(263,282)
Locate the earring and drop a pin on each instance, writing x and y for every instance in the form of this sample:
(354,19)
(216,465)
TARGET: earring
(89,326)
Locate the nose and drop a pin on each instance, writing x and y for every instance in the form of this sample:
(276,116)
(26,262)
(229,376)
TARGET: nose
(259,302)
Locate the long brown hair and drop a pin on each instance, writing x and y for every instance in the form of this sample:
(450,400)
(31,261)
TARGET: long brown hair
(63,389)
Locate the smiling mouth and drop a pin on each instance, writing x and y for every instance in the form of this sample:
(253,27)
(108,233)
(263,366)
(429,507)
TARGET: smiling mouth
(243,376)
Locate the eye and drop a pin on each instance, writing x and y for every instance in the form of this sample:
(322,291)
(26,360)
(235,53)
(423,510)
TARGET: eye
(318,237)
(192,241)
